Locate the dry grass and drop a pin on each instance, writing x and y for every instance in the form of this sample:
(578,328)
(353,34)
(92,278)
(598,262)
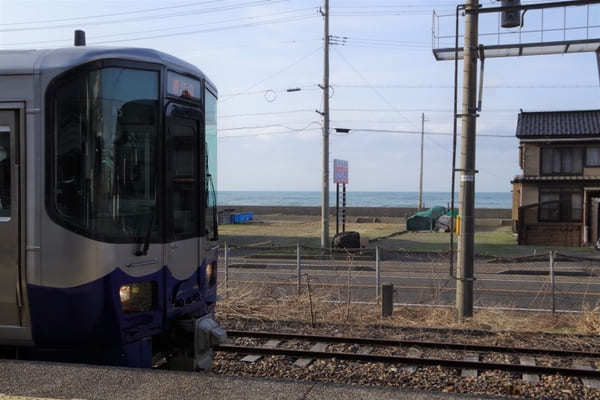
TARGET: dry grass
(272,305)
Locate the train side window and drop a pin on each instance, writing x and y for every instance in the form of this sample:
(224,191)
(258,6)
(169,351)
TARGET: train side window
(4,173)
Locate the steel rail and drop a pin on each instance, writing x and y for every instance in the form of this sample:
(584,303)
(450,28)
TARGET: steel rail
(415,343)
(410,360)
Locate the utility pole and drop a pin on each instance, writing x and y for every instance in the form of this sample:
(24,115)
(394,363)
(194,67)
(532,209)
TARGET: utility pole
(325,87)
(464,284)
(420,202)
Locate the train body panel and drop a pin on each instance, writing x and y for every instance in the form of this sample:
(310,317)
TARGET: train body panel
(106,221)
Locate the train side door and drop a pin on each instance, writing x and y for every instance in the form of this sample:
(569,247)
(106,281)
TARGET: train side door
(10,244)
(183,190)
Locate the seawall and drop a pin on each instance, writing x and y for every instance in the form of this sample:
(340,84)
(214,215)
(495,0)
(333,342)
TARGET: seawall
(500,213)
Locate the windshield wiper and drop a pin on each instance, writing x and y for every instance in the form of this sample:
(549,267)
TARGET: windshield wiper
(145,245)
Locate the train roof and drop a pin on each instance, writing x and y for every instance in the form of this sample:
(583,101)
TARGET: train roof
(20,62)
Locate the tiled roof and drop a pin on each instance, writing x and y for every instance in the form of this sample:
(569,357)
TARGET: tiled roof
(556,124)
(555,178)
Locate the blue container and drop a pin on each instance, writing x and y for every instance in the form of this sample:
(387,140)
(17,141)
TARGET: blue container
(240,218)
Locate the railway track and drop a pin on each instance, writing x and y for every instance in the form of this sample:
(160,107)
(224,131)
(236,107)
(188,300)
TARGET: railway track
(409,352)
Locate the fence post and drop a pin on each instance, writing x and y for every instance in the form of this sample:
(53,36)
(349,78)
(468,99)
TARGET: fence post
(298,269)
(387,299)
(226,256)
(377,273)
(552,281)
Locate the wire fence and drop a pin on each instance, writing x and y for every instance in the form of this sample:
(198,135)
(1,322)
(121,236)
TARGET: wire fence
(550,282)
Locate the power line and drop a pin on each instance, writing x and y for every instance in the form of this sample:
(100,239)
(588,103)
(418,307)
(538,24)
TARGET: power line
(120,35)
(409,132)
(431,110)
(425,86)
(225,28)
(267,113)
(43,21)
(249,4)
(287,67)
(381,96)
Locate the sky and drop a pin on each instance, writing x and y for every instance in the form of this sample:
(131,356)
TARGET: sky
(383,78)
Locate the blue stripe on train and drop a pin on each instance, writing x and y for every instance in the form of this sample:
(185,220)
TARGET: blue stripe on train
(90,315)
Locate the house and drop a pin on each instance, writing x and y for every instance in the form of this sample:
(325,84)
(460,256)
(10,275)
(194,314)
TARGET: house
(556,201)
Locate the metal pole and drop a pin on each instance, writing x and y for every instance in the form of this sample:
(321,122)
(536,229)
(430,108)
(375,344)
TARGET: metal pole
(552,281)
(343,207)
(337,208)
(226,268)
(464,287)
(325,191)
(420,202)
(377,273)
(298,269)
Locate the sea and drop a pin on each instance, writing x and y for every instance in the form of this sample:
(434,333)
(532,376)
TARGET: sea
(358,199)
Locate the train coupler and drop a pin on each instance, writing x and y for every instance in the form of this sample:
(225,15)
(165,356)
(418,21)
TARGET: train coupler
(207,334)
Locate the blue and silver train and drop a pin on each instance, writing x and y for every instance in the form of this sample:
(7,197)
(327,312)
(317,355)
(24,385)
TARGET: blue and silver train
(108,230)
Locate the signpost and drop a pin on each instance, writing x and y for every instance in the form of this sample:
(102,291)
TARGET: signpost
(340,175)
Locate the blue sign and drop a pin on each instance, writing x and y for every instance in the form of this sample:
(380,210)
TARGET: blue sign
(340,171)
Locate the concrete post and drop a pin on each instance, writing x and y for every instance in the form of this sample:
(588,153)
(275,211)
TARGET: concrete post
(552,281)
(325,180)
(298,269)
(387,299)
(377,274)
(226,257)
(464,286)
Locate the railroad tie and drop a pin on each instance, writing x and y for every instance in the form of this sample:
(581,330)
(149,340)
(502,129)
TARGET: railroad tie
(413,353)
(252,358)
(588,382)
(530,362)
(470,372)
(305,362)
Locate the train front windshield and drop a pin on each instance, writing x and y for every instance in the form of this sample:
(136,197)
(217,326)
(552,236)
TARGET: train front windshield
(105,158)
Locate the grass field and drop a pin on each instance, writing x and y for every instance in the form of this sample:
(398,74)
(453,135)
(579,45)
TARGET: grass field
(280,230)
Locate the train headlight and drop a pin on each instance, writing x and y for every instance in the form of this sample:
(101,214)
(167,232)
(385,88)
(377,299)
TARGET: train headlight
(125,293)
(211,273)
(137,297)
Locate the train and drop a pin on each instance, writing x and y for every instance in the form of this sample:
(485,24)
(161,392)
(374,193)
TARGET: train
(108,224)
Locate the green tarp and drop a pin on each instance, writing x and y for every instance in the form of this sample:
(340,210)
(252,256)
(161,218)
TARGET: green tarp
(424,220)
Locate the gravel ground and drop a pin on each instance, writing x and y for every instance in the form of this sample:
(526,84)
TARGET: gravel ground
(434,379)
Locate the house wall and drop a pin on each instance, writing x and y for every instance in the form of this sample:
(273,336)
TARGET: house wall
(516,200)
(531,159)
(591,171)
(553,234)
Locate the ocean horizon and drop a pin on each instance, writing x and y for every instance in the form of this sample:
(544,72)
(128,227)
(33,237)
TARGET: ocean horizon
(357,199)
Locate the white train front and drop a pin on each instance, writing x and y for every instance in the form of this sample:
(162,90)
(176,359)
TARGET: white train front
(108,226)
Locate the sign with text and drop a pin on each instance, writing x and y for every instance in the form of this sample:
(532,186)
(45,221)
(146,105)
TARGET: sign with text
(340,171)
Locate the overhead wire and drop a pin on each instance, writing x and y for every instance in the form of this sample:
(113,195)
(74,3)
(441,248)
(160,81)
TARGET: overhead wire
(248,4)
(121,34)
(278,72)
(381,96)
(43,21)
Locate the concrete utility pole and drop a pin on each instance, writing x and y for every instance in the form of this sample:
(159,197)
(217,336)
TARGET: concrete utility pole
(325,87)
(420,202)
(464,285)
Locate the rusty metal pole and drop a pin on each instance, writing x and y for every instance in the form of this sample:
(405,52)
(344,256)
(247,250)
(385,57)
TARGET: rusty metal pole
(464,287)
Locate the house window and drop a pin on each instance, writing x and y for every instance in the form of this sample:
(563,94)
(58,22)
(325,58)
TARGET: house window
(592,156)
(562,160)
(560,205)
